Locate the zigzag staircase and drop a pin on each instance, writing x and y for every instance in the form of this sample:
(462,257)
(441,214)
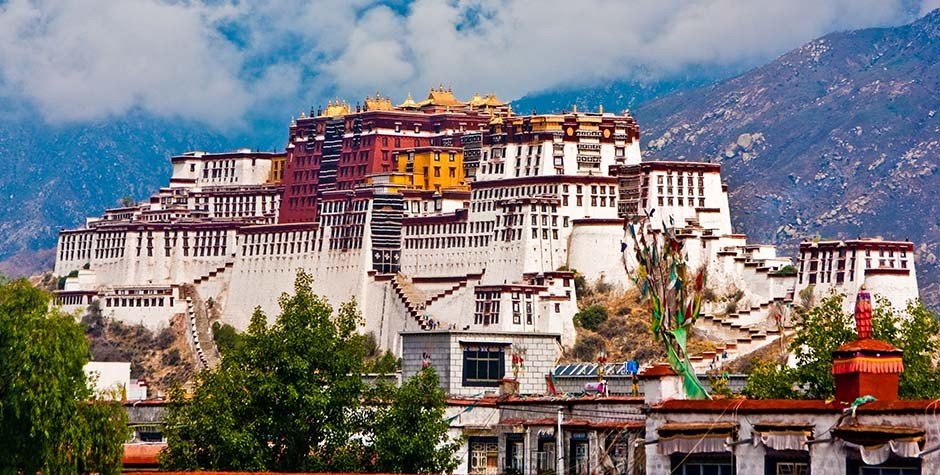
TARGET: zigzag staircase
(213,273)
(742,332)
(399,285)
(416,301)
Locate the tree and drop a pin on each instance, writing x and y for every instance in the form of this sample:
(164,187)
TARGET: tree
(50,420)
(591,317)
(769,380)
(287,399)
(821,330)
(825,327)
(411,436)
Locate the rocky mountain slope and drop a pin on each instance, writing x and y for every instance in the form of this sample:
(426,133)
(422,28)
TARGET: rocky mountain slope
(615,96)
(55,176)
(838,138)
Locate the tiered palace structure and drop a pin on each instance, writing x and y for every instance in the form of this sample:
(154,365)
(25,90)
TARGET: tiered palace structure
(433,214)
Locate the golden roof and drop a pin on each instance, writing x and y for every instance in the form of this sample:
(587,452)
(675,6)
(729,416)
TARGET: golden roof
(336,108)
(489,100)
(492,101)
(409,103)
(378,103)
(443,97)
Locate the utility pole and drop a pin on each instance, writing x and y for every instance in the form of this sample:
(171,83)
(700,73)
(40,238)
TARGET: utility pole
(559,446)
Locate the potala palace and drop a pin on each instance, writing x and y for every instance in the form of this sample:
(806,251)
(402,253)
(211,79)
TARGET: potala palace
(441,216)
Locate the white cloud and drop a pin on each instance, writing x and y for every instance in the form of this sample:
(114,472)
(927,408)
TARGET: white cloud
(88,59)
(223,61)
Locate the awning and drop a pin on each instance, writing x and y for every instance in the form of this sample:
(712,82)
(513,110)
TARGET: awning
(875,443)
(692,438)
(782,435)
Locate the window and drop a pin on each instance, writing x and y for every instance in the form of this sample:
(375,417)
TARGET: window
(791,468)
(484,455)
(787,462)
(716,464)
(483,365)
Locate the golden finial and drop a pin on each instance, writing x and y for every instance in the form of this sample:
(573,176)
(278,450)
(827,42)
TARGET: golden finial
(601,109)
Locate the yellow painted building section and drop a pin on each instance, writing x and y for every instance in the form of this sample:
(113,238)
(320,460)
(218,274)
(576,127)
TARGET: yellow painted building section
(432,168)
(277,169)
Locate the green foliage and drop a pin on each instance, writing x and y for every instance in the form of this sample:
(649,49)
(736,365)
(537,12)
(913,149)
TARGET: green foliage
(916,334)
(787,270)
(581,287)
(127,201)
(770,381)
(591,317)
(385,364)
(719,385)
(49,419)
(411,436)
(227,339)
(821,330)
(290,398)
(825,327)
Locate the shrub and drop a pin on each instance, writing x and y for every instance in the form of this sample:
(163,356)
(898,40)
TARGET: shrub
(788,270)
(591,317)
(171,358)
(166,337)
(613,327)
(587,347)
(602,286)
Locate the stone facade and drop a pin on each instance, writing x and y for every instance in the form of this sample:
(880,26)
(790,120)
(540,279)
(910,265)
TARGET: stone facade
(447,352)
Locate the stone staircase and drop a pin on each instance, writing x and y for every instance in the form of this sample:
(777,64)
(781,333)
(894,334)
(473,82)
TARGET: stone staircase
(213,273)
(464,282)
(743,332)
(197,327)
(412,298)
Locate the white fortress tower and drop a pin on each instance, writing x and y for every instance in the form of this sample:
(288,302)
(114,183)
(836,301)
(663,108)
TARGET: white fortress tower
(886,268)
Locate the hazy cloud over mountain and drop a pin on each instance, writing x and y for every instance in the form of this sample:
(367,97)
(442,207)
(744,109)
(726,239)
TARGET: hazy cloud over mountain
(220,61)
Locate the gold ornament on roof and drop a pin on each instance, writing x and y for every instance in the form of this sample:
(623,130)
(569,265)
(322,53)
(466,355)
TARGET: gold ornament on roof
(336,108)
(378,103)
(409,103)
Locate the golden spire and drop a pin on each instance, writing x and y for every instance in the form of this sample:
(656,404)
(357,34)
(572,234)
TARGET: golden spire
(409,103)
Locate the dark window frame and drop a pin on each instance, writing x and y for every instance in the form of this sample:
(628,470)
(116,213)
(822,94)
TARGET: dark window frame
(484,364)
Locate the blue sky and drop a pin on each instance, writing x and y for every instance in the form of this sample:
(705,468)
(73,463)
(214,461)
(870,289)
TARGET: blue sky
(228,63)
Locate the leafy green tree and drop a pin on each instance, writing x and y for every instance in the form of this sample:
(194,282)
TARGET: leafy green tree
(821,330)
(591,317)
(288,399)
(825,327)
(411,436)
(916,333)
(226,338)
(769,380)
(49,418)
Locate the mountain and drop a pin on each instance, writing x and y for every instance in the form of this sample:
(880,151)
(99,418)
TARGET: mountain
(55,176)
(615,96)
(838,138)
